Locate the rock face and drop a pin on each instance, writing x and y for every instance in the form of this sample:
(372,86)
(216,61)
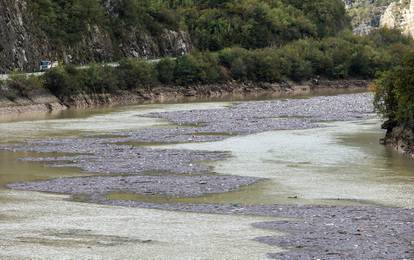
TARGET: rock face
(401,139)
(371,14)
(366,14)
(400,15)
(23,45)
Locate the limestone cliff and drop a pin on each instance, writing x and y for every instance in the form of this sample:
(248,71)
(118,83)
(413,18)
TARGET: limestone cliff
(366,14)
(370,14)
(23,44)
(400,15)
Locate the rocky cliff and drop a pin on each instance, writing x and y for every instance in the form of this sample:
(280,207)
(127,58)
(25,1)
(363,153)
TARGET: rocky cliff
(370,14)
(400,15)
(23,44)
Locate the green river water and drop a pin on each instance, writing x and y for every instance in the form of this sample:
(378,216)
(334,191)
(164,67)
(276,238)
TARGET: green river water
(339,164)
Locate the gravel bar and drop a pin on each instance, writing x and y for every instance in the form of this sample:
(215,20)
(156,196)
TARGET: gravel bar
(312,232)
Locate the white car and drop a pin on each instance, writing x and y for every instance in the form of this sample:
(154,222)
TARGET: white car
(47,65)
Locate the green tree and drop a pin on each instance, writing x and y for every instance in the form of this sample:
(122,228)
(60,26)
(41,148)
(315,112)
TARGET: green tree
(394,93)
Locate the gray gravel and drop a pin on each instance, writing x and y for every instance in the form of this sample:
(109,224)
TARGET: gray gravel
(319,232)
(165,185)
(96,156)
(255,117)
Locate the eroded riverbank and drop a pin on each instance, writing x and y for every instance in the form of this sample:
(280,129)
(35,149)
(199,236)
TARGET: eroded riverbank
(195,167)
(41,102)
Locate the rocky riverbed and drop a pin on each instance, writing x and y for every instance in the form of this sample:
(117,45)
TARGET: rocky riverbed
(131,162)
(319,232)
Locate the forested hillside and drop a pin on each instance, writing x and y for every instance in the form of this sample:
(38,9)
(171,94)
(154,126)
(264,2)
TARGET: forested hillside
(212,25)
(103,30)
(247,40)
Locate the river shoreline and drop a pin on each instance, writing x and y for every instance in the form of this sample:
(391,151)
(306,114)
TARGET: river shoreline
(42,101)
(400,139)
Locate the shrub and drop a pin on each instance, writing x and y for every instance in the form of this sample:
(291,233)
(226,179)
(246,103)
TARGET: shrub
(165,70)
(197,68)
(98,79)
(134,73)
(63,81)
(22,84)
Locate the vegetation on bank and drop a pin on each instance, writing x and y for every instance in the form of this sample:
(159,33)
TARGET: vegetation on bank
(19,85)
(394,97)
(340,57)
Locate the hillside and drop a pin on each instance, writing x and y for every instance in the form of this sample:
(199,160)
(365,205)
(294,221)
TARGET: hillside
(82,32)
(79,32)
(105,30)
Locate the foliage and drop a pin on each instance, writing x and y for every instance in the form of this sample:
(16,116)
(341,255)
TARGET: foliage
(197,68)
(134,73)
(394,90)
(329,16)
(67,81)
(212,25)
(19,85)
(66,21)
(250,24)
(165,70)
(338,57)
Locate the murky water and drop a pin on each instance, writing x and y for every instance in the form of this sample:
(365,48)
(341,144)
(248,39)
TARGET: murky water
(342,163)
(48,226)
(41,225)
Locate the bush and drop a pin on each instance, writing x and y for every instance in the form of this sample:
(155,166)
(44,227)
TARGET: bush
(165,70)
(98,79)
(134,73)
(197,68)
(247,23)
(23,85)
(63,81)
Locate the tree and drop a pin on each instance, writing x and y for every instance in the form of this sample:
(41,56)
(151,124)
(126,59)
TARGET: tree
(394,93)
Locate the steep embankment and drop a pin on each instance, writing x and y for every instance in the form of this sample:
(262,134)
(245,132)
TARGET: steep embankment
(42,101)
(371,14)
(23,42)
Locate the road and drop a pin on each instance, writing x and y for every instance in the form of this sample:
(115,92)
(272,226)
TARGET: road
(111,64)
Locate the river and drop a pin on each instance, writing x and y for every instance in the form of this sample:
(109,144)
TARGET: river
(340,162)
